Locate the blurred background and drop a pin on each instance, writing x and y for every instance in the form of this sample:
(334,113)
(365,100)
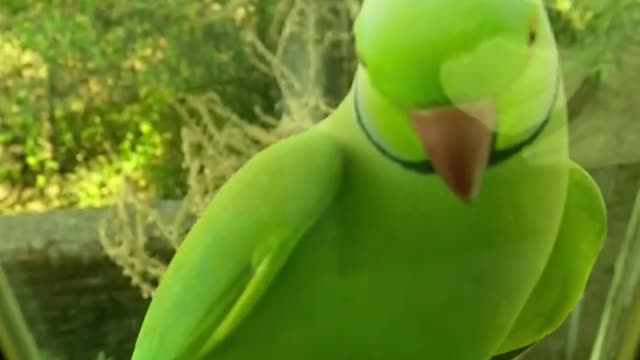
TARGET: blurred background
(119,119)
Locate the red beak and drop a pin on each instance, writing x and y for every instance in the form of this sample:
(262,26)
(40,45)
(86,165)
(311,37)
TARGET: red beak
(457,141)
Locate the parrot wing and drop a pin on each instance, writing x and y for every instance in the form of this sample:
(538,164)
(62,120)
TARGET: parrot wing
(580,238)
(238,245)
(513,355)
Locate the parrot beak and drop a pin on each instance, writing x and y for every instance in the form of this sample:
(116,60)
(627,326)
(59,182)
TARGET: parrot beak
(458,143)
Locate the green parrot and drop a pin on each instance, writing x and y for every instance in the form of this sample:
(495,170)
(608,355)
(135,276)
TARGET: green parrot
(435,214)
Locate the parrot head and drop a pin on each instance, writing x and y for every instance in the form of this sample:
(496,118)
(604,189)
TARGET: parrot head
(455,85)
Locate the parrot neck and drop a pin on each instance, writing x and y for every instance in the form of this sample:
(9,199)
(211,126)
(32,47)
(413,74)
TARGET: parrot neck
(391,133)
(387,127)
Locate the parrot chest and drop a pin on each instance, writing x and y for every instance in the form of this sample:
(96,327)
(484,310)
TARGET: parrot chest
(405,263)
(398,268)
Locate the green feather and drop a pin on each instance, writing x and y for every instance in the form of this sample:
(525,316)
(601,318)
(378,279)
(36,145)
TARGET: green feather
(240,242)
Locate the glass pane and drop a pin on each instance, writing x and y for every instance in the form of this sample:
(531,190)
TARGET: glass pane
(120,121)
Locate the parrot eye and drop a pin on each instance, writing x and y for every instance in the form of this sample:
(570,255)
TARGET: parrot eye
(532,37)
(533,34)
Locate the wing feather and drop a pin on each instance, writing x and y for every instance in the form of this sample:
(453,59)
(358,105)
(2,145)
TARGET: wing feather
(238,245)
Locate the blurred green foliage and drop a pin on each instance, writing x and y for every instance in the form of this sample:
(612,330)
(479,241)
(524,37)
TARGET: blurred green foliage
(87,86)
(86,89)
(599,32)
